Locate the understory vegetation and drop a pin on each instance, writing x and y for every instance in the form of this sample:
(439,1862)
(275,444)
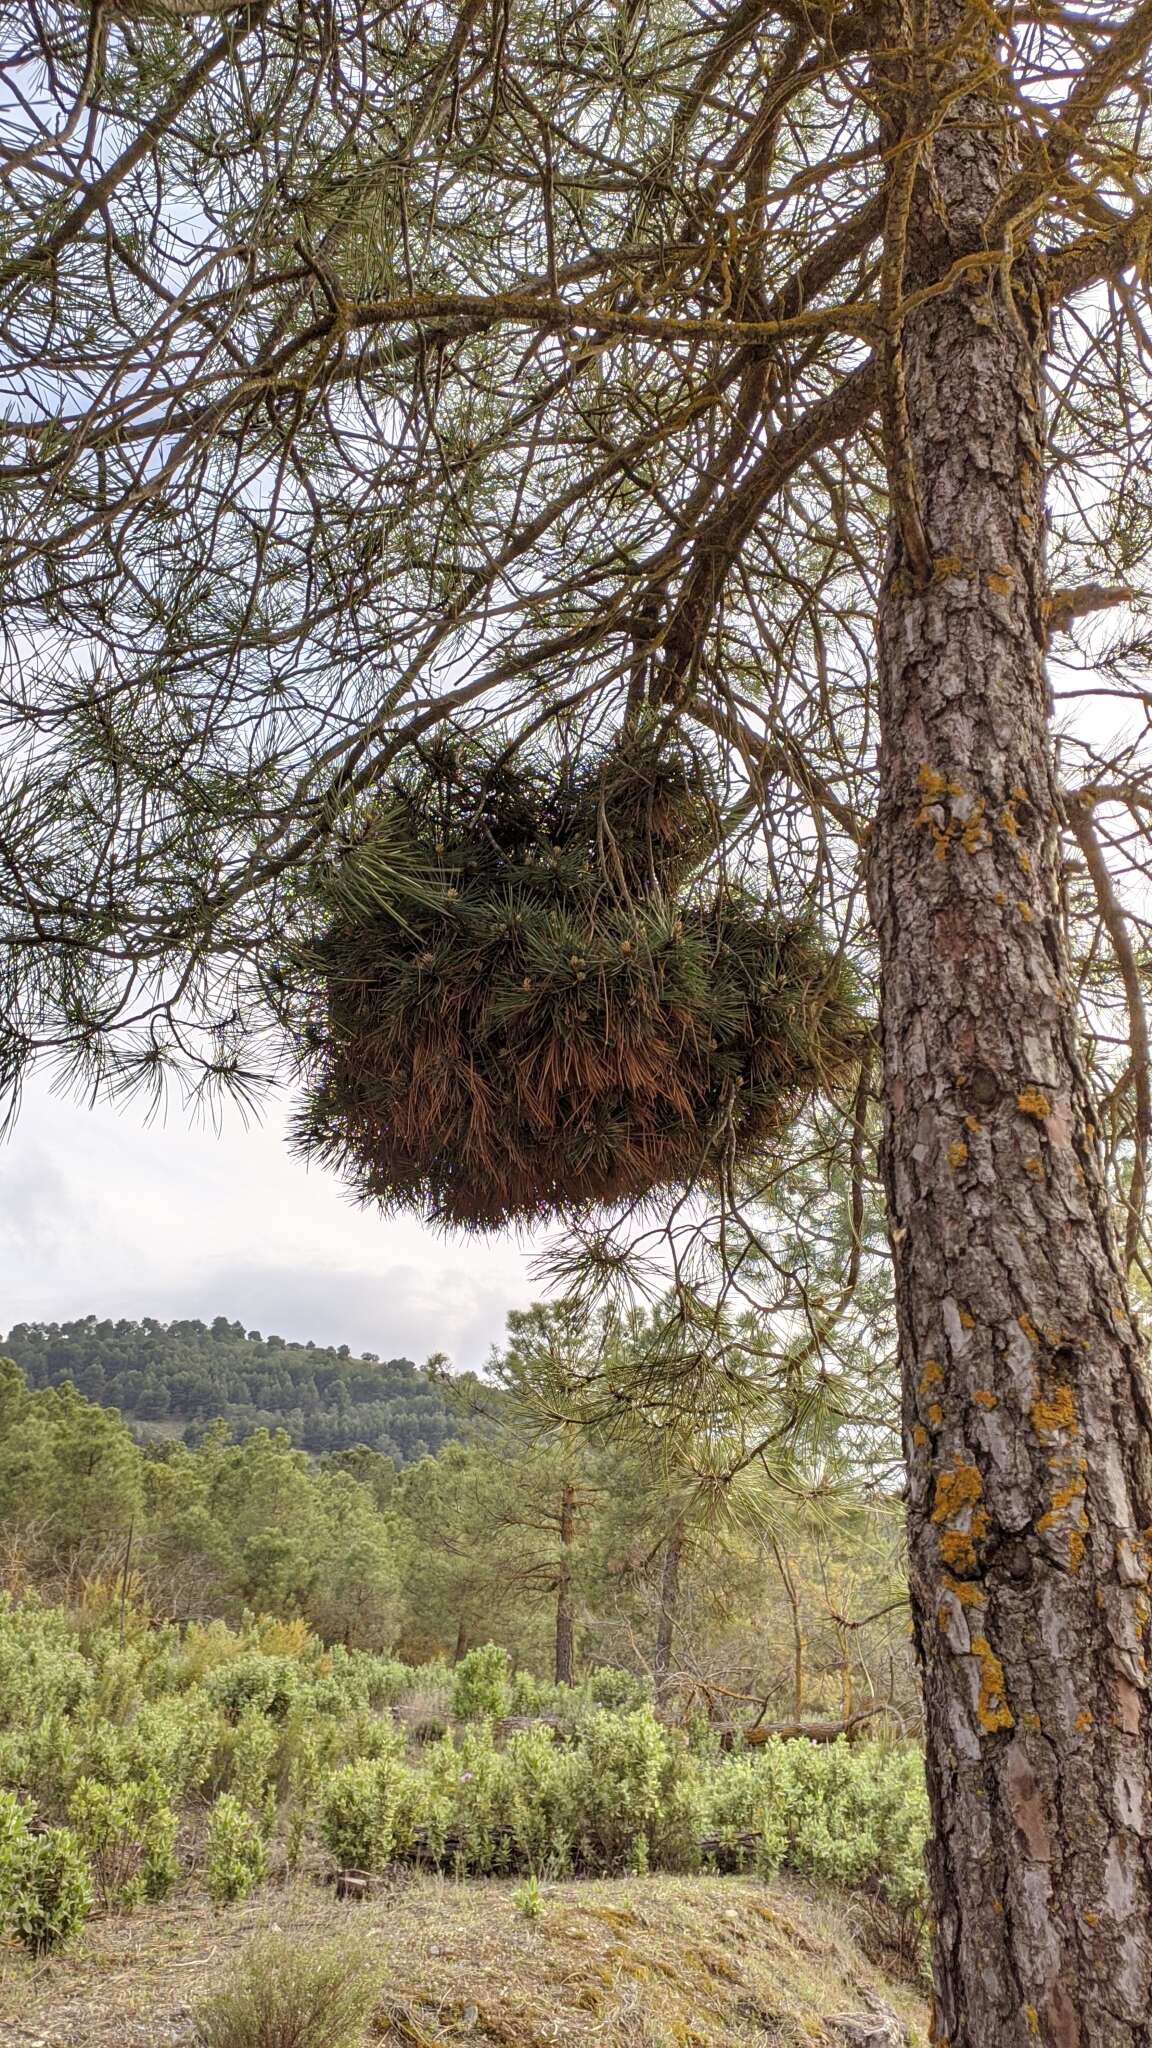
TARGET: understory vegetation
(137,1758)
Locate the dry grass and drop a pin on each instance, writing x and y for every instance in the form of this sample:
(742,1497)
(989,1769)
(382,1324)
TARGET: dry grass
(648,1963)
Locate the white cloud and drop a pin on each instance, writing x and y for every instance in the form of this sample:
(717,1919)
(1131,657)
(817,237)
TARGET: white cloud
(101,1212)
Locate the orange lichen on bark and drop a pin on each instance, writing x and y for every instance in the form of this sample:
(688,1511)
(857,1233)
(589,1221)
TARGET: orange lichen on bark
(967,1319)
(1029,1329)
(1031,1102)
(931,1375)
(957,1152)
(964,1591)
(1034,1167)
(935,1415)
(1066,1496)
(973,837)
(919,1435)
(1083,1722)
(1050,1413)
(992,1711)
(932,785)
(956,1502)
(984,1399)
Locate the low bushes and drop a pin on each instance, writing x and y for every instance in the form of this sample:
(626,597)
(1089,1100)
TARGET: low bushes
(630,1796)
(253,1748)
(45,1888)
(283,1996)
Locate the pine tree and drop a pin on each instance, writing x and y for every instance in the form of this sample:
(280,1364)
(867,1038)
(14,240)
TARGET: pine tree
(370,370)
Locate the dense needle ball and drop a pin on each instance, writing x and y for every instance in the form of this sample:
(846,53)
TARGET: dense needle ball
(524,1001)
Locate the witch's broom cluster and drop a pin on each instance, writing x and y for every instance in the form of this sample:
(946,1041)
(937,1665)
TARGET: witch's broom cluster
(523,1003)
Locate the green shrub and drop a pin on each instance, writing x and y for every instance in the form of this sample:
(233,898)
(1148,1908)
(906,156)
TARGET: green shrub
(254,1750)
(52,1893)
(619,1691)
(13,1836)
(269,1684)
(541,1801)
(236,1860)
(281,1995)
(618,1772)
(128,1834)
(369,1812)
(481,1688)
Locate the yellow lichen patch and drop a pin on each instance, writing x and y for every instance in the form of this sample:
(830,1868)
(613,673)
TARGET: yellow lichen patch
(1091,1919)
(967,1319)
(1010,821)
(973,837)
(1035,1167)
(1083,1722)
(999,582)
(1053,1412)
(973,1124)
(957,1488)
(946,565)
(956,1501)
(935,1415)
(1029,1329)
(965,1592)
(1032,2021)
(958,1546)
(919,1435)
(1025,910)
(931,1375)
(1031,1102)
(957,1152)
(1031,1722)
(985,1399)
(932,785)
(993,1711)
(1064,1497)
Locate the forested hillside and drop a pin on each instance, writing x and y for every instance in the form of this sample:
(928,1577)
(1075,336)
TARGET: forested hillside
(192,1373)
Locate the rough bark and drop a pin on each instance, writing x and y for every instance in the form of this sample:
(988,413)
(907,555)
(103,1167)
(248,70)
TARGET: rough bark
(565,1615)
(669,1610)
(1026,1412)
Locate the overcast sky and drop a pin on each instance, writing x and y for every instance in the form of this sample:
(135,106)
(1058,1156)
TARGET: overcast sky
(100,1212)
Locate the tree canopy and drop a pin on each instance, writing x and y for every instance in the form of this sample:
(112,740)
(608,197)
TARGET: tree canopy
(374,367)
(190,1373)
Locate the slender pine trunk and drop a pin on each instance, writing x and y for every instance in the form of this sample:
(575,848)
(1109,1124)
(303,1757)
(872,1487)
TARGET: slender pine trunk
(1026,1415)
(669,1610)
(565,1613)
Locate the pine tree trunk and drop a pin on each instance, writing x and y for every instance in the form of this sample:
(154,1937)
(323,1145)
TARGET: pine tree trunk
(565,1617)
(1025,1412)
(669,1609)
